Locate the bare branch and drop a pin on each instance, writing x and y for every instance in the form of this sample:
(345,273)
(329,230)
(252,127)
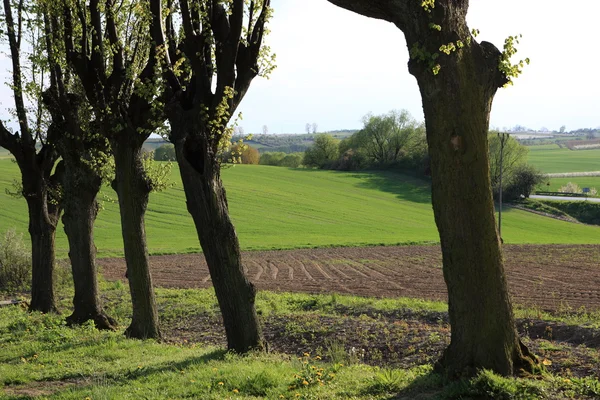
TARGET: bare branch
(186,19)
(158,37)
(17,85)
(98,62)
(117,75)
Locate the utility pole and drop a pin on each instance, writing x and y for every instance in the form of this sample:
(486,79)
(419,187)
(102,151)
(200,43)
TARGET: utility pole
(503,138)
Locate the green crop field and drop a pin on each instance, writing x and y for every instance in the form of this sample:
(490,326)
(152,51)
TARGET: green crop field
(4,153)
(554,159)
(277,208)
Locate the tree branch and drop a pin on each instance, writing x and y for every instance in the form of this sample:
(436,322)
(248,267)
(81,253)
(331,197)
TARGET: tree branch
(97,59)
(17,86)
(117,75)
(158,37)
(379,9)
(186,19)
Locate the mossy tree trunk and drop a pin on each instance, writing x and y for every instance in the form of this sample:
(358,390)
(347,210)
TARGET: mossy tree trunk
(133,189)
(44,213)
(457,90)
(80,187)
(207,203)
(222,46)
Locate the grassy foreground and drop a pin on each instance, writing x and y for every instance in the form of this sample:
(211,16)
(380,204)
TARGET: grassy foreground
(279,208)
(43,358)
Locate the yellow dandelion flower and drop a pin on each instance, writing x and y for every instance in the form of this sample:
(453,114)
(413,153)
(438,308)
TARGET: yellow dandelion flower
(235,391)
(220,383)
(304,382)
(317,357)
(306,354)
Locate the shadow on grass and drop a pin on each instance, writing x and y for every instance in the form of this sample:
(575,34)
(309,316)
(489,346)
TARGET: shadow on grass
(130,374)
(405,187)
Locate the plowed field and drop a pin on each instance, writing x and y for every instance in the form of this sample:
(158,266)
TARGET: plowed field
(548,276)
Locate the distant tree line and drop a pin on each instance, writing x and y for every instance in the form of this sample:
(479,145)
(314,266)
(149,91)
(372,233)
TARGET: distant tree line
(392,140)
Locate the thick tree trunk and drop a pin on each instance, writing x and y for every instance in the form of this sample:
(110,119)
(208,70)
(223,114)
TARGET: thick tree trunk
(457,105)
(207,203)
(42,233)
(80,188)
(43,218)
(133,188)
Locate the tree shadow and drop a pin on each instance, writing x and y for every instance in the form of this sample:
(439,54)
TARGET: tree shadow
(405,187)
(125,375)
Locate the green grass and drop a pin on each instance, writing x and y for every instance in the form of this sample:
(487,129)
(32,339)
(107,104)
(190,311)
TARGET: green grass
(582,181)
(43,358)
(4,153)
(279,208)
(555,159)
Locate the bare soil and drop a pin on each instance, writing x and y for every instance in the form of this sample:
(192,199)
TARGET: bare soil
(549,277)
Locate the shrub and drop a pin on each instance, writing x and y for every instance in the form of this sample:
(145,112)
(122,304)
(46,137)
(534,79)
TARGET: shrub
(523,181)
(271,158)
(571,187)
(15,263)
(166,152)
(583,211)
(323,153)
(293,160)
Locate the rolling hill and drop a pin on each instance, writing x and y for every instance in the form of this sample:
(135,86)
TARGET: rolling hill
(277,208)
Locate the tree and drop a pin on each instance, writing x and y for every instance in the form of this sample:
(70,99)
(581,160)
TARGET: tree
(166,152)
(514,155)
(523,181)
(34,154)
(307,128)
(265,130)
(563,129)
(244,154)
(442,53)
(108,48)
(314,127)
(386,138)
(219,48)
(83,153)
(323,152)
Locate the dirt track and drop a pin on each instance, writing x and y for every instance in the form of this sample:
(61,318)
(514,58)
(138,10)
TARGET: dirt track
(549,276)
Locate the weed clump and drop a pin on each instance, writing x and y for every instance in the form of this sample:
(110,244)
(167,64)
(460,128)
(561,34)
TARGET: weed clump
(15,263)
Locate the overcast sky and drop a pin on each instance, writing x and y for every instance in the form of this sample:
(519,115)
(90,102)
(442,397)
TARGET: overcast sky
(334,66)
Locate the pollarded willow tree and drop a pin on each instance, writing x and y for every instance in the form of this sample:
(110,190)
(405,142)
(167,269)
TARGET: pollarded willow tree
(107,46)
(208,66)
(458,78)
(82,151)
(36,157)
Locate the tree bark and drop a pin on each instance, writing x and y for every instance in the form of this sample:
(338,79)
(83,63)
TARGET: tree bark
(457,104)
(42,259)
(207,204)
(457,90)
(81,186)
(43,218)
(133,188)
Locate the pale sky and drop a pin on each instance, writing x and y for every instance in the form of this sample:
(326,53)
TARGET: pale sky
(334,66)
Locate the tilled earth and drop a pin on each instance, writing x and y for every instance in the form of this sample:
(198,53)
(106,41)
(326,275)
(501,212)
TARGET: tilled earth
(554,278)
(549,277)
